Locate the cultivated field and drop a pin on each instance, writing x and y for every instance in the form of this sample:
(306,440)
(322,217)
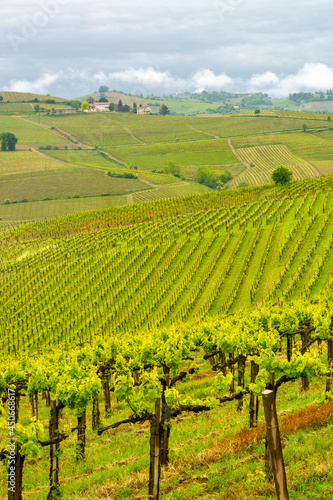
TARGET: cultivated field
(262,160)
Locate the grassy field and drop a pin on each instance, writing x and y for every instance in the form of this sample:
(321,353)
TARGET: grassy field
(215,153)
(212,455)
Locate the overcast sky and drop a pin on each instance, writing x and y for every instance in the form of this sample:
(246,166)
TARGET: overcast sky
(70,47)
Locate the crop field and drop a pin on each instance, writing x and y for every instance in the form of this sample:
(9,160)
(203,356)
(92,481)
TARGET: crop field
(26,96)
(187,266)
(25,162)
(315,148)
(28,133)
(195,153)
(262,160)
(8,108)
(110,308)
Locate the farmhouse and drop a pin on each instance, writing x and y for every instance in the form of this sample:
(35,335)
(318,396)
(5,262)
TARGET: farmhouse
(99,106)
(144,111)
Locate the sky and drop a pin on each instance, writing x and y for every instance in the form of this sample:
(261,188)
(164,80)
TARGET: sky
(69,48)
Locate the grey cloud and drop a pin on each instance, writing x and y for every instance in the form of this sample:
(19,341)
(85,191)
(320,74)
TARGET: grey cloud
(235,37)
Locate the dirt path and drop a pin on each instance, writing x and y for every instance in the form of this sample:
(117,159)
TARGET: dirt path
(115,159)
(133,136)
(147,182)
(202,131)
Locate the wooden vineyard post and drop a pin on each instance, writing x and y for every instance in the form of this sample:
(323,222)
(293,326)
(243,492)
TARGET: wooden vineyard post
(95,414)
(232,371)
(268,457)
(81,436)
(155,466)
(54,448)
(305,339)
(254,400)
(241,378)
(35,404)
(330,361)
(165,432)
(107,397)
(274,443)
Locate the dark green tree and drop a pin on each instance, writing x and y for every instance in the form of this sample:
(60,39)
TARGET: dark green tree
(103,99)
(103,88)
(282,175)
(8,141)
(126,108)
(112,106)
(1,98)
(135,108)
(304,127)
(257,112)
(37,108)
(120,105)
(164,110)
(90,100)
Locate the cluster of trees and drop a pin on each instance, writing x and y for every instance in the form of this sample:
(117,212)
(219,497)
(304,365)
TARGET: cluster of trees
(8,141)
(212,178)
(173,169)
(310,97)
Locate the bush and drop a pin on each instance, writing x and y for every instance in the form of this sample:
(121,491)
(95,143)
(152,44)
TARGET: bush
(214,179)
(122,175)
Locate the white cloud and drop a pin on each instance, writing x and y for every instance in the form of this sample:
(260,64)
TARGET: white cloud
(311,77)
(40,86)
(208,80)
(265,80)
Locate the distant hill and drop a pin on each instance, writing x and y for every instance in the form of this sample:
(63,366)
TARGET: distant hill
(27,97)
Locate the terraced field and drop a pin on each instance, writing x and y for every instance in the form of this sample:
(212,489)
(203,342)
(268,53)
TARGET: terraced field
(262,160)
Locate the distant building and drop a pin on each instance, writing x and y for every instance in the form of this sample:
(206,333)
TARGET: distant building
(64,110)
(144,111)
(99,106)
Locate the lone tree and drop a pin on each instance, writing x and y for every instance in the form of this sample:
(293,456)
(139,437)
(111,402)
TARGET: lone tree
(8,141)
(112,106)
(120,106)
(282,175)
(90,100)
(257,112)
(103,88)
(164,110)
(85,106)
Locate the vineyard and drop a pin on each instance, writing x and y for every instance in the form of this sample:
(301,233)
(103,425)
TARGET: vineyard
(141,337)
(262,160)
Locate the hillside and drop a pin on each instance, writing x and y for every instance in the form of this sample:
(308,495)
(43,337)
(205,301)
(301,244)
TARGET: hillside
(62,160)
(151,287)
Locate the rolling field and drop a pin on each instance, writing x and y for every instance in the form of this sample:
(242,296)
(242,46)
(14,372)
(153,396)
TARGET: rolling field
(215,153)
(28,133)
(177,268)
(26,96)
(315,148)
(262,160)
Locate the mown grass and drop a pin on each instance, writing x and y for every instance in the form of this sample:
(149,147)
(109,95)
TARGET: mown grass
(213,455)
